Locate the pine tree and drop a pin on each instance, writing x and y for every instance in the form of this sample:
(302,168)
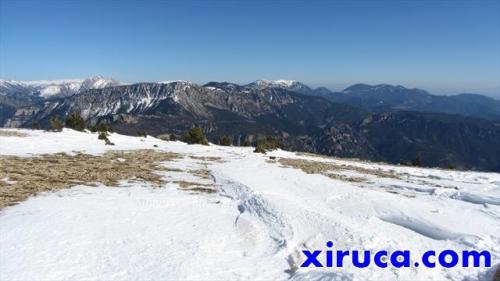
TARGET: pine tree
(75,122)
(195,136)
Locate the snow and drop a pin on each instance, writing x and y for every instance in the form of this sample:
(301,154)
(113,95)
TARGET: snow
(287,83)
(7,180)
(174,81)
(50,91)
(41,82)
(275,83)
(254,227)
(50,88)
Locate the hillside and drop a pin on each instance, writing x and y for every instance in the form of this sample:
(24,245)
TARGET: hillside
(151,209)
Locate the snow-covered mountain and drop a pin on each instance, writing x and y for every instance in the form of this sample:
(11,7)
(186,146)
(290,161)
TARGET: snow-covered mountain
(290,85)
(98,82)
(307,123)
(53,88)
(212,218)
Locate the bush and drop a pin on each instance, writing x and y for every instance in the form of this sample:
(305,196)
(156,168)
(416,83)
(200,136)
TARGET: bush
(35,125)
(225,140)
(101,127)
(267,144)
(142,134)
(246,143)
(195,136)
(259,149)
(75,121)
(418,161)
(56,124)
(104,136)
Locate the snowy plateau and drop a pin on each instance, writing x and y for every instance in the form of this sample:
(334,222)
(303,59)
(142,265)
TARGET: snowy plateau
(263,211)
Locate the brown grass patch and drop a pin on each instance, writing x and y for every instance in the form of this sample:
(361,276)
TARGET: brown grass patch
(317,167)
(321,156)
(32,175)
(4,133)
(194,186)
(201,173)
(167,169)
(208,158)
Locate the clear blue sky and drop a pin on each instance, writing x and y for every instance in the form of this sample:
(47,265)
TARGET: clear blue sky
(443,46)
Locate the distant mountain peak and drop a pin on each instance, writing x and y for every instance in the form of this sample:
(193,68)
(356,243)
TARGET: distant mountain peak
(98,82)
(54,88)
(175,81)
(384,87)
(282,83)
(222,85)
(291,85)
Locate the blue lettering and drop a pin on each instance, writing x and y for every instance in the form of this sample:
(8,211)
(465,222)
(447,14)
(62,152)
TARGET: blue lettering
(452,254)
(357,263)
(311,259)
(379,261)
(406,259)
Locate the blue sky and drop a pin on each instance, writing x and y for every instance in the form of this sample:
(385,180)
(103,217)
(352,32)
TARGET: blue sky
(443,46)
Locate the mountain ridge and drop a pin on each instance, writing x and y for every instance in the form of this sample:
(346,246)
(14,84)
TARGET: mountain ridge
(54,88)
(303,122)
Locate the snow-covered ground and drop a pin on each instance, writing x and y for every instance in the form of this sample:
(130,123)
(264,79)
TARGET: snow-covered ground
(254,227)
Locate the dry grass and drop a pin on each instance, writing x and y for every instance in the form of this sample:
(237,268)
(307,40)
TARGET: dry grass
(195,186)
(4,133)
(208,158)
(203,189)
(317,167)
(201,173)
(321,156)
(29,176)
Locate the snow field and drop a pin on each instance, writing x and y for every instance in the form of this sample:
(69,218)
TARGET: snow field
(254,227)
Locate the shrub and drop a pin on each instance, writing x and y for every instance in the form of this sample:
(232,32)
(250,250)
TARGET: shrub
(246,143)
(259,149)
(195,136)
(142,134)
(101,127)
(267,144)
(35,125)
(104,136)
(418,161)
(225,140)
(75,121)
(172,137)
(56,124)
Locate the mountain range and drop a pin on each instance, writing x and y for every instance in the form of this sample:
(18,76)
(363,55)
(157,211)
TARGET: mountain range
(381,122)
